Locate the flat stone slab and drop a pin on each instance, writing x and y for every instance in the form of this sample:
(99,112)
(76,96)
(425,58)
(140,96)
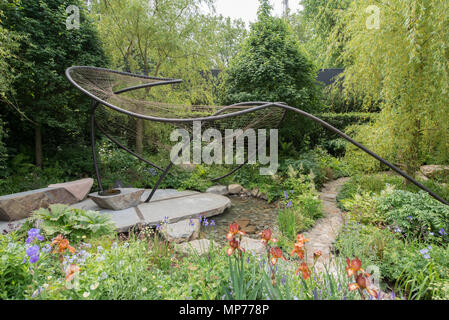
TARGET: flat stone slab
(127,198)
(175,205)
(177,209)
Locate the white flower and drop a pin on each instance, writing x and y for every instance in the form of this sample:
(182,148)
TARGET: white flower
(144,289)
(86,294)
(94,286)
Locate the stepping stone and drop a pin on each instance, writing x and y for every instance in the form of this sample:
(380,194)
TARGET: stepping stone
(199,247)
(182,231)
(176,209)
(253,246)
(165,194)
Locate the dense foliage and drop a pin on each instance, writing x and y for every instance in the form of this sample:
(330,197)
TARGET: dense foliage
(272,66)
(403,65)
(49,106)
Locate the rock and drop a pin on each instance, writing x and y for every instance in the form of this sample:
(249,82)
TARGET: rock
(253,245)
(432,171)
(263,196)
(182,231)
(222,190)
(128,198)
(243,222)
(79,188)
(200,247)
(18,206)
(250,229)
(255,193)
(235,188)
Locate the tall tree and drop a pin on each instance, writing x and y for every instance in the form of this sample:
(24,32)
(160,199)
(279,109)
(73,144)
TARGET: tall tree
(271,66)
(47,48)
(170,38)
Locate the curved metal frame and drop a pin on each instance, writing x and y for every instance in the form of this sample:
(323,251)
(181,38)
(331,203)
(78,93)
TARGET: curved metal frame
(257,105)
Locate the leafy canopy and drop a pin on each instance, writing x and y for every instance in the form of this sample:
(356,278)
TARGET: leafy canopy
(271,66)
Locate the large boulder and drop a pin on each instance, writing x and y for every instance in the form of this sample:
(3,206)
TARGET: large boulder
(21,205)
(222,190)
(235,188)
(433,171)
(182,231)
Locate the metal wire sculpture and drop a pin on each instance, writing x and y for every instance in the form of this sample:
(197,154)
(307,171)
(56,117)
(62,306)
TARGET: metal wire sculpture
(119,91)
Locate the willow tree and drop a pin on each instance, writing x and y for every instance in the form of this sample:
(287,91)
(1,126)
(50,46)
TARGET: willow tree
(397,53)
(169,38)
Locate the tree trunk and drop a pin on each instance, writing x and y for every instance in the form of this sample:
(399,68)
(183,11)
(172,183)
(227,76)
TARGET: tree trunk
(38,145)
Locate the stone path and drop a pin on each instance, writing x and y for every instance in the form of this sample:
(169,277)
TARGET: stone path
(323,234)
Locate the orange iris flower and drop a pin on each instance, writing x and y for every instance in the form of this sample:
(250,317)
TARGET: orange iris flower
(299,246)
(305,271)
(362,283)
(233,230)
(276,253)
(234,245)
(71,271)
(317,254)
(61,245)
(353,266)
(267,235)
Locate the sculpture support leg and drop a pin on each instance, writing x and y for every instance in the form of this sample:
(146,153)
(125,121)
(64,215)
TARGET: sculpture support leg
(92,138)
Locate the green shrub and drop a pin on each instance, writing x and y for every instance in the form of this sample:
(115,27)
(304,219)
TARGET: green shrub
(300,197)
(371,184)
(14,274)
(415,215)
(362,208)
(73,223)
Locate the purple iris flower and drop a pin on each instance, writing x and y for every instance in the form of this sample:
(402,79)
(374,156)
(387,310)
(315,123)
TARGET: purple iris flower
(285,194)
(442,232)
(212,223)
(289,205)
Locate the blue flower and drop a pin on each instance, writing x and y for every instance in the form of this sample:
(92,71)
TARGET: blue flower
(285,194)
(212,223)
(410,217)
(424,251)
(289,205)
(442,232)
(431,233)
(426,256)
(397,229)
(46,248)
(33,253)
(33,234)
